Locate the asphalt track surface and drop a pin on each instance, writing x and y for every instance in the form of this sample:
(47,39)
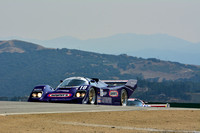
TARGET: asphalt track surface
(20,108)
(15,108)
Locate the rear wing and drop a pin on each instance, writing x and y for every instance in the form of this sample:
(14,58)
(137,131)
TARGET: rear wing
(130,83)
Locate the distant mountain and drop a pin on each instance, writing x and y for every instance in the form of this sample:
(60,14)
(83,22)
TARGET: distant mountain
(28,64)
(161,46)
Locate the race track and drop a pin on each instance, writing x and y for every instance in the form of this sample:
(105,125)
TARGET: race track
(12,108)
(94,118)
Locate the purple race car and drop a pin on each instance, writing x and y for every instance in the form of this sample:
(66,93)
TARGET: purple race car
(86,91)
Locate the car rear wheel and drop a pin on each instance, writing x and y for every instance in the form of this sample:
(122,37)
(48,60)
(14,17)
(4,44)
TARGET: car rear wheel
(92,96)
(124,97)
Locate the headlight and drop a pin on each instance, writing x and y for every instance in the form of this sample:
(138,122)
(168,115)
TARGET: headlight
(78,94)
(34,95)
(39,94)
(83,94)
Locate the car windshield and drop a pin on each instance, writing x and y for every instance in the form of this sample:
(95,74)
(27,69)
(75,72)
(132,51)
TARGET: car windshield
(73,82)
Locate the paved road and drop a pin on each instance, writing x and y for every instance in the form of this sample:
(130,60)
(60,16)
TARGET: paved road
(12,108)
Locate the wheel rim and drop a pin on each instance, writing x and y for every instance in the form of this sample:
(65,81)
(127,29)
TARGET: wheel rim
(124,98)
(92,96)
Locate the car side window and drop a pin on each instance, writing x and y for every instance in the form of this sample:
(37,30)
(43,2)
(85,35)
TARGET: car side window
(93,83)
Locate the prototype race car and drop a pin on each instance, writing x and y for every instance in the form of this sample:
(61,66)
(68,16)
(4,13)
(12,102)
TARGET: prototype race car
(86,91)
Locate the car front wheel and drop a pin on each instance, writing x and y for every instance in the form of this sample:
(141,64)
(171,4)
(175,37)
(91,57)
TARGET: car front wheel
(92,96)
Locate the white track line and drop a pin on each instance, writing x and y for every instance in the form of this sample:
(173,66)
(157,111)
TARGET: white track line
(128,128)
(56,112)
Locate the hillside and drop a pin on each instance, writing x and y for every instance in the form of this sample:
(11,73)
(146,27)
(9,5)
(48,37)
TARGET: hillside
(21,71)
(15,46)
(160,46)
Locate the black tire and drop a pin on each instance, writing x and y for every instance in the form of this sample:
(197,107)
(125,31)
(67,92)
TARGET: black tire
(124,97)
(92,96)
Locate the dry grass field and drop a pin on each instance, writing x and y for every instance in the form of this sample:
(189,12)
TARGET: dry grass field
(104,122)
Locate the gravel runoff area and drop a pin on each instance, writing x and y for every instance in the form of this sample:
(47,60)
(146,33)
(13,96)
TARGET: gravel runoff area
(144,121)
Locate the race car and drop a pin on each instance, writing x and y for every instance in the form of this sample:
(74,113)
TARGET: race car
(139,103)
(86,91)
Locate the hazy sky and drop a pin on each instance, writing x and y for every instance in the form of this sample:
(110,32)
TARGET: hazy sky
(84,19)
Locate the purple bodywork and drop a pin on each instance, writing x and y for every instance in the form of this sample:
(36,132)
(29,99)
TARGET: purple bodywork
(86,91)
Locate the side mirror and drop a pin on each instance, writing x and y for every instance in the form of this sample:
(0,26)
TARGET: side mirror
(92,81)
(61,81)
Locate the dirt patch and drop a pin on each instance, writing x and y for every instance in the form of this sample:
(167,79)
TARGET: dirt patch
(100,122)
